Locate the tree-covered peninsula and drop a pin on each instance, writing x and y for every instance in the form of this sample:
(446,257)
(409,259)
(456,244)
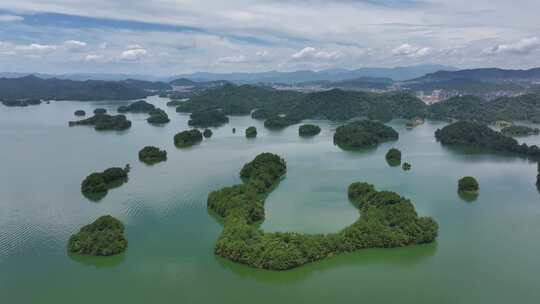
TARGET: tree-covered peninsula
(308,130)
(151,154)
(208,118)
(363,134)
(386,220)
(103,237)
(517,131)
(470,134)
(104,122)
(97,184)
(188,138)
(251,132)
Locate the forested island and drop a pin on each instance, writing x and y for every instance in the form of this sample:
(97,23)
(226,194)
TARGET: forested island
(468,185)
(103,237)
(104,122)
(79,113)
(393,157)
(406,166)
(476,135)
(386,220)
(308,130)
(100,111)
(208,118)
(158,117)
(21,102)
(363,134)
(97,184)
(207,133)
(251,132)
(140,106)
(519,131)
(188,138)
(151,154)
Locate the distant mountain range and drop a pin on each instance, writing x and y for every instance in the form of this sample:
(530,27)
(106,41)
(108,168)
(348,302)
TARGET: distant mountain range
(397,74)
(485,75)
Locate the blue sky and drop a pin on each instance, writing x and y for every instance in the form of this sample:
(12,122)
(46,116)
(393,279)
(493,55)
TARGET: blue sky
(180,36)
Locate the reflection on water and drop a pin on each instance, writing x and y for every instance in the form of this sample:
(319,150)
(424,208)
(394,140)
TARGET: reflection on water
(98,262)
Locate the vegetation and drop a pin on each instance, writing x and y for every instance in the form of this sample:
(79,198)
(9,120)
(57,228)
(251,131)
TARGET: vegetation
(21,103)
(233,130)
(101,182)
(103,237)
(103,122)
(468,184)
(363,134)
(538,176)
(140,106)
(207,133)
(470,134)
(208,118)
(261,114)
(308,130)
(251,132)
(80,113)
(406,166)
(151,154)
(520,131)
(188,138)
(393,157)
(31,87)
(100,111)
(279,122)
(158,116)
(386,220)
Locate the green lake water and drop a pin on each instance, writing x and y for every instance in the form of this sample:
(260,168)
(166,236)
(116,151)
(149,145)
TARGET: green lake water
(488,250)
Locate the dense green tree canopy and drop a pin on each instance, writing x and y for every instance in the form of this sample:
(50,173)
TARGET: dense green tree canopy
(103,237)
(207,133)
(251,132)
(101,182)
(20,102)
(100,111)
(393,157)
(386,220)
(363,134)
(151,154)
(80,113)
(157,117)
(188,138)
(208,118)
(470,134)
(520,131)
(140,106)
(308,130)
(468,184)
(103,122)
(406,166)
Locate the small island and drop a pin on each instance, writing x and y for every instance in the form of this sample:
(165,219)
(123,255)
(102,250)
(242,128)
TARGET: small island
(100,111)
(393,157)
(261,114)
(158,117)
(517,131)
(80,113)
(96,185)
(468,185)
(188,138)
(151,155)
(207,133)
(233,130)
(386,220)
(363,134)
(140,106)
(21,102)
(406,166)
(104,122)
(279,122)
(103,237)
(251,132)
(208,118)
(308,130)
(415,122)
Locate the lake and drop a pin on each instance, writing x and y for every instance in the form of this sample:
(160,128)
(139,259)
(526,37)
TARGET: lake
(487,250)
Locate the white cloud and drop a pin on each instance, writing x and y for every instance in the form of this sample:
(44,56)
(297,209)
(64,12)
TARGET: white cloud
(93,57)
(10,18)
(134,54)
(75,45)
(232,59)
(312,53)
(262,53)
(411,51)
(36,49)
(522,47)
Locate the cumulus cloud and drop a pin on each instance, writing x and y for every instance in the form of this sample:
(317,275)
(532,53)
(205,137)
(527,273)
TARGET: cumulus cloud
(75,45)
(10,18)
(232,59)
(93,57)
(408,50)
(522,47)
(36,49)
(313,53)
(134,54)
